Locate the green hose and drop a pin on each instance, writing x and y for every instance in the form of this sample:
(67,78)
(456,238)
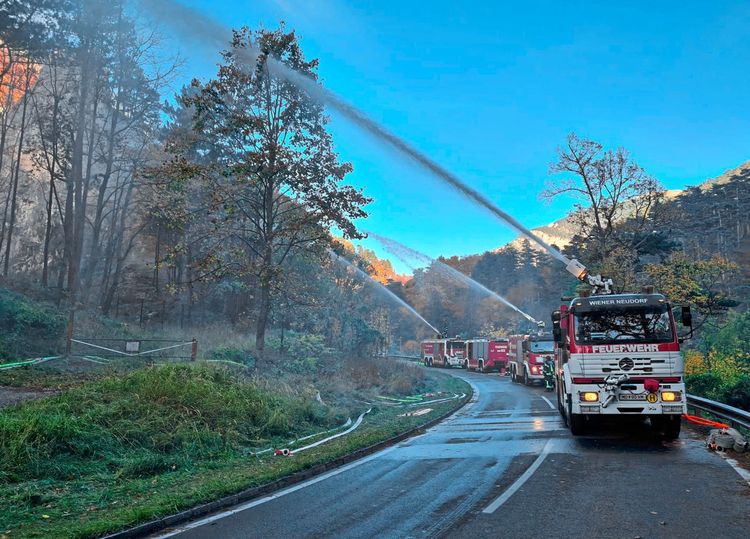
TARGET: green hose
(6,366)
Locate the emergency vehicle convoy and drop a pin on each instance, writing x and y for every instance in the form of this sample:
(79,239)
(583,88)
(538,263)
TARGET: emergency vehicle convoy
(476,354)
(527,356)
(615,355)
(618,355)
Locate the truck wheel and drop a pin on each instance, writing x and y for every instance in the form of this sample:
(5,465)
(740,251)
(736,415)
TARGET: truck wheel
(575,421)
(513,375)
(466,365)
(669,425)
(525,378)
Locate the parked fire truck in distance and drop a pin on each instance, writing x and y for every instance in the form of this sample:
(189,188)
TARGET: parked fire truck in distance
(619,355)
(526,355)
(486,356)
(443,353)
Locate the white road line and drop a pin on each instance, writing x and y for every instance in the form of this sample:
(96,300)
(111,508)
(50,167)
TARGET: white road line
(744,474)
(505,496)
(276,495)
(547,401)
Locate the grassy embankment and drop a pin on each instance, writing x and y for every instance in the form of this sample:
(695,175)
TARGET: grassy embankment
(133,446)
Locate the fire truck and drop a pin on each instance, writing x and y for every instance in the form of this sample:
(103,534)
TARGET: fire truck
(527,354)
(443,353)
(618,355)
(486,356)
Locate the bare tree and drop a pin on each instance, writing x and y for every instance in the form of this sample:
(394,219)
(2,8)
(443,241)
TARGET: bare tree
(617,202)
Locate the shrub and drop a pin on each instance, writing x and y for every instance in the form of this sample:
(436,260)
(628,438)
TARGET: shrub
(230,353)
(706,385)
(304,351)
(27,328)
(738,395)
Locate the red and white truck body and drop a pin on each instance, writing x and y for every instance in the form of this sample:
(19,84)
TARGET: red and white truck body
(619,355)
(486,356)
(443,353)
(497,355)
(526,356)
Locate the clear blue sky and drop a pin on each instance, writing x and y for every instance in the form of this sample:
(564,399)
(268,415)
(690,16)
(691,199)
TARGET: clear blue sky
(490,89)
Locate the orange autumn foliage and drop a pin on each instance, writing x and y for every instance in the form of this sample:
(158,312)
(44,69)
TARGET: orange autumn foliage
(18,75)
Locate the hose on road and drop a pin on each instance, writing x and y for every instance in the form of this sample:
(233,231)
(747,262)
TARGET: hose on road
(702,421)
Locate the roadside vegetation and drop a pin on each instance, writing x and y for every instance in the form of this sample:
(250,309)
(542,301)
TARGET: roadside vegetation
(719,367)
(130,447)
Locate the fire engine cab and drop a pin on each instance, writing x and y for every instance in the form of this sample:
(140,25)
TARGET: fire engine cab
(619,355)
(527,355)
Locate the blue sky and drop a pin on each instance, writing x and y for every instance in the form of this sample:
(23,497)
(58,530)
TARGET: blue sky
(490,89)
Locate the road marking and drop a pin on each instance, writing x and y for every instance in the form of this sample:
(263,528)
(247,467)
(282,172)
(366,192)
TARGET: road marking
(548,401)
(260,501)
(491,508)
(744,474)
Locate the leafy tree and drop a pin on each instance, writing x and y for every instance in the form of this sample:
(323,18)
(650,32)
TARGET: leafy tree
(698,283)
(273,186)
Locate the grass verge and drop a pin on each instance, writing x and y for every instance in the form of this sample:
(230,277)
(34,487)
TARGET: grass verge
(130,448)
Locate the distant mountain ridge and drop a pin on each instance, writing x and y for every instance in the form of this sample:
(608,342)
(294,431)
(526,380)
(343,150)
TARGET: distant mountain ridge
(560,232)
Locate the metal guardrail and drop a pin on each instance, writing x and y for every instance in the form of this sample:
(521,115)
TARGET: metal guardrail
(734,416)
(402,357)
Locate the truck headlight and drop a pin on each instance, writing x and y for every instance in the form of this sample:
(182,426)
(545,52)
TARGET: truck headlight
(589,396)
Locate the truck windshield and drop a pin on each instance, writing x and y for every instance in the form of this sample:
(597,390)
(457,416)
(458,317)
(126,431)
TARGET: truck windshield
(647,325)
(541,346)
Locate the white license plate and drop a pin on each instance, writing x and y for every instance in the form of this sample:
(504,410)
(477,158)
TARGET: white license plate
(629,397)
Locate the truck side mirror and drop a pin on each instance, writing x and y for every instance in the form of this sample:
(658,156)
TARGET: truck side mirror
(686,316)
(556,333)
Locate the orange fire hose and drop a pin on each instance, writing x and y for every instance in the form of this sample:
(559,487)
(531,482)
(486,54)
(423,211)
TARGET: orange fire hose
(702,421)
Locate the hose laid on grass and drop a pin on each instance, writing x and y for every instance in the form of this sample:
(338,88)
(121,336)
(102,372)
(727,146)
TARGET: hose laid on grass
(268,450)
(357,423)
(35,361)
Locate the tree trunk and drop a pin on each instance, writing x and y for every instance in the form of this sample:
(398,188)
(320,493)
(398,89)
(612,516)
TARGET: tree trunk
(13,204)
(263,309)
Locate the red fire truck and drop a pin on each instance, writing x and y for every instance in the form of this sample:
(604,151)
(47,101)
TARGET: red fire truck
(619,355)
(486,356)
(527,354)
(443,353)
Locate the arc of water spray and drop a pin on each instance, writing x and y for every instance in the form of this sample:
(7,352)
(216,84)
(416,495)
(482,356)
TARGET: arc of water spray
(185,20)
(402,252)
(368,279)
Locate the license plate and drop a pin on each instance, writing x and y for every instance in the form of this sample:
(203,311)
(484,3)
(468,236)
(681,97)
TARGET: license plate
(630,397)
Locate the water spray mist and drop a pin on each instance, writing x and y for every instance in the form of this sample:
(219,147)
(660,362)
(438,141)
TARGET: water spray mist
(194,24)
(368,279)
(403,253)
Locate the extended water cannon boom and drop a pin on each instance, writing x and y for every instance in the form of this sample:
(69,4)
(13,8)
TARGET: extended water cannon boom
(597,282)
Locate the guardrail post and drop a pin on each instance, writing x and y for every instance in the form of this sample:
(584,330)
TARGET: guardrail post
(194,351)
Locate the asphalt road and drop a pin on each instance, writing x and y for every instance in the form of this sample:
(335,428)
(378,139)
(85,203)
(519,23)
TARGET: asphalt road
(504,466)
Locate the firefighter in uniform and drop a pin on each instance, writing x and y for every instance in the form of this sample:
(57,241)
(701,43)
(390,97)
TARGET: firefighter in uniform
(549,374)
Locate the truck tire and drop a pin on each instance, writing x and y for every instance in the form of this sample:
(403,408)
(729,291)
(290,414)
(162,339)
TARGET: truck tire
(513,375)
(466,364)
(480,366)
(576,422)
(526,378)
(668,425)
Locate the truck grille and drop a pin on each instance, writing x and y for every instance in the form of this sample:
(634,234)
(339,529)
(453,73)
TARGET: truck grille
(638,366)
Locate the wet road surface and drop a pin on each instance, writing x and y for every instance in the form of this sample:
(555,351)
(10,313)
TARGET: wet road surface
(505,466)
